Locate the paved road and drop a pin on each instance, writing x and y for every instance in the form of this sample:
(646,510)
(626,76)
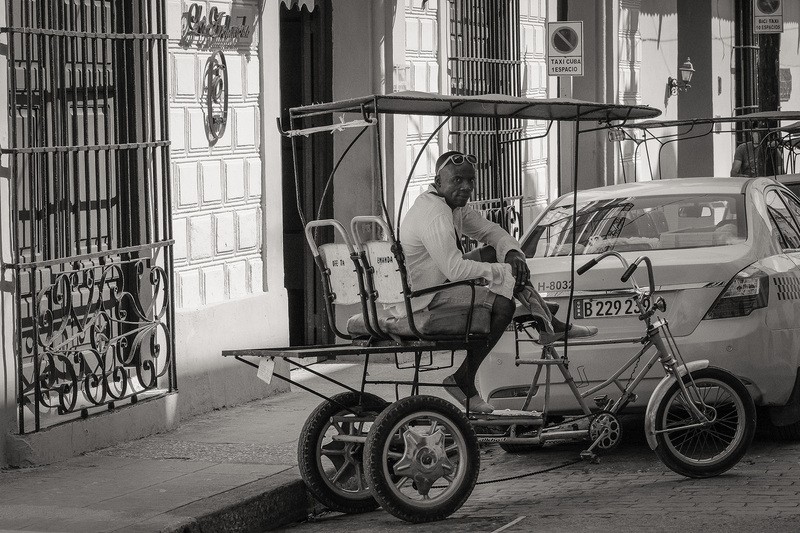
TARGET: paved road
(630,490)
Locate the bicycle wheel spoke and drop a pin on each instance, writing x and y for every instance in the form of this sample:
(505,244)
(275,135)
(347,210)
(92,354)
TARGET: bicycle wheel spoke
(339,472)
(359,477)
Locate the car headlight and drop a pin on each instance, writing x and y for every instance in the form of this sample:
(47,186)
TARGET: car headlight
(748,290)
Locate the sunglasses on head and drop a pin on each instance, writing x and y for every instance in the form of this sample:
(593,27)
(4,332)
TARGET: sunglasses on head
(458,160)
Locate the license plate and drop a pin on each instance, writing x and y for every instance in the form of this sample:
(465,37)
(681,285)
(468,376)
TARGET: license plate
(605,307)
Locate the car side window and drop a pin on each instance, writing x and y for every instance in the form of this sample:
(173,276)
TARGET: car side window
(793,205)
(782,220)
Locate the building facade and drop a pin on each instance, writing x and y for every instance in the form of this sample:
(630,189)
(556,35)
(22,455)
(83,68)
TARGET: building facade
(148,200)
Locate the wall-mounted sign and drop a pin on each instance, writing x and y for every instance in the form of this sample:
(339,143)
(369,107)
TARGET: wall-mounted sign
(565,48)
(217,29)
(216,96)
(767,16)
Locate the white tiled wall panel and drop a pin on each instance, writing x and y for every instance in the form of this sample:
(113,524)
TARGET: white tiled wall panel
(533,32)
(218,185)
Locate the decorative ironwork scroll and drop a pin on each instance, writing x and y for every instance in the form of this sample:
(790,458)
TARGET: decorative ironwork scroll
(100,334)
(216,96)
(88,155)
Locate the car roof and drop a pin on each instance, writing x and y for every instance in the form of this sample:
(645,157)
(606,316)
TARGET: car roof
(662,187)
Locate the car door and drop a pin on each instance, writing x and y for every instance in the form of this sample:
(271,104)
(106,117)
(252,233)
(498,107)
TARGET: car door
(783,317)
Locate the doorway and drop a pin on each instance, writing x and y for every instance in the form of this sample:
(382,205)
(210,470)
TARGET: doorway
(305,71)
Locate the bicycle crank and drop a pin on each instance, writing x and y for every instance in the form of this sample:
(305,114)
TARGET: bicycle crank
(605,431)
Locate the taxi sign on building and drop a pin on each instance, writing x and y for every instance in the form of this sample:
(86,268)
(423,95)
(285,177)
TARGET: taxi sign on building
(767,16)
(565,48)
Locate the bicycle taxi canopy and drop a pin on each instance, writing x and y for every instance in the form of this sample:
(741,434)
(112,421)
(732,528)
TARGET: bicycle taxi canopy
(769,123)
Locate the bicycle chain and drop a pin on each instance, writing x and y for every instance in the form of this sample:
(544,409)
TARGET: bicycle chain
(529,474)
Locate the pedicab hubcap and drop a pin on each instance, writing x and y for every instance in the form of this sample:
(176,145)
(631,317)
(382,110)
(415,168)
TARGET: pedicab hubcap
(424,459)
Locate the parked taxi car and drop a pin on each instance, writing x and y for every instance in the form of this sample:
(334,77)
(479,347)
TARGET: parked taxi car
(726,258)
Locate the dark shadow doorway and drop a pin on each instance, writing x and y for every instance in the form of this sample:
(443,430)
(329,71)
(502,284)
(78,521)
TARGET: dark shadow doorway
(305,70)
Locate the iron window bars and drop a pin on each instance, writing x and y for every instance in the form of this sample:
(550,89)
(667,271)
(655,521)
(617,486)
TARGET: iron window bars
(485,59)
(91,206)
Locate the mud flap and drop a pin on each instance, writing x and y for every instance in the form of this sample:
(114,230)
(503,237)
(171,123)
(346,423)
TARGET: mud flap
(790,413)
(658,395)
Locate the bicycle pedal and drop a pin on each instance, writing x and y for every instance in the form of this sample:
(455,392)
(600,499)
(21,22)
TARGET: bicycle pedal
(589,455)
(601,401)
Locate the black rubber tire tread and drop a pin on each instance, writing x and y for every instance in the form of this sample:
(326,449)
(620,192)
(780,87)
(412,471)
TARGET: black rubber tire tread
(679,466)
(379,433)
(789,432)
(307,450)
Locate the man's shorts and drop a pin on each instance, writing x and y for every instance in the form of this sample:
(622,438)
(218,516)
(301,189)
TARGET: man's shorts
(449,309)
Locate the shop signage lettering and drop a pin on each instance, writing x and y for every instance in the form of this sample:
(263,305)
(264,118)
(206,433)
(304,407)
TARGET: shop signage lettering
(217,28)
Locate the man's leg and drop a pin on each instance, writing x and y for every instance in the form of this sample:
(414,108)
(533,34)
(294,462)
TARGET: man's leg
(502,313)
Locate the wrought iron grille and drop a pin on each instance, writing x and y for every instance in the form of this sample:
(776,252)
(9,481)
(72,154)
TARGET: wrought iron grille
(89,161)
(485,59)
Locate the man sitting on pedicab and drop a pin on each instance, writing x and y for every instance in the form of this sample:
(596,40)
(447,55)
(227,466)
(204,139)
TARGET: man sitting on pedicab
(431,232)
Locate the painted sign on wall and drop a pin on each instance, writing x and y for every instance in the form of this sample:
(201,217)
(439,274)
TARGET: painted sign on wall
(216,29)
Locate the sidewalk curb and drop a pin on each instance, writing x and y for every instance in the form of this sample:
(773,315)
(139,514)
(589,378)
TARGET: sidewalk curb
(262,505)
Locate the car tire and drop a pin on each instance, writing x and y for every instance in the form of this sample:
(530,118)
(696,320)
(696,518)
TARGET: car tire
(790,432)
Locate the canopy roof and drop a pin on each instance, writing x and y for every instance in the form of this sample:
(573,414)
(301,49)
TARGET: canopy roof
(749,117)
(487,105)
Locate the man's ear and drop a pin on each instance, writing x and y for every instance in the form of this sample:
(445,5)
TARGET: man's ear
(437,180)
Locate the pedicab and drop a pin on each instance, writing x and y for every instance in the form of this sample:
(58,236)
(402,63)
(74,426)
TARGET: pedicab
(418,456)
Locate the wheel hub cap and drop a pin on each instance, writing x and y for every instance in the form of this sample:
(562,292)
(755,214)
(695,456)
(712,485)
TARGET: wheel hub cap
(424,459)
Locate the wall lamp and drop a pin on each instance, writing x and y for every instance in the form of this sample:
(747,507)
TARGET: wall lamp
(687,71)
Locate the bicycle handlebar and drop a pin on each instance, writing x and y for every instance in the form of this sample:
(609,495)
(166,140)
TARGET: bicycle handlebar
(591,263)
(629,269)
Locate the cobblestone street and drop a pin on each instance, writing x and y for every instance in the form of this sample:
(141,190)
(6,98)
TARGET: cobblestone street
(629,490)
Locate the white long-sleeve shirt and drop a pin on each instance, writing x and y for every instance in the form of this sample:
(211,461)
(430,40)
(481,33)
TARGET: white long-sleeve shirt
(428,235)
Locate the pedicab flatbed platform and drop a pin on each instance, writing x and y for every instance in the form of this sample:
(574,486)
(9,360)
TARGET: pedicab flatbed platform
(335,350)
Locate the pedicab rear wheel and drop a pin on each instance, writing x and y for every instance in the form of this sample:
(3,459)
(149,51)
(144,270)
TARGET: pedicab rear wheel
(333,470)
(422,459)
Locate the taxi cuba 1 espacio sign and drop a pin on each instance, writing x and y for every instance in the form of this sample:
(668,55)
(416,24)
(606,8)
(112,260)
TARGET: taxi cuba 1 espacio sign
(565,48)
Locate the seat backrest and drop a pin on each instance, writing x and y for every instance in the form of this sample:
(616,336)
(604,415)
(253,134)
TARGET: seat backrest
(343,276)
(386,274)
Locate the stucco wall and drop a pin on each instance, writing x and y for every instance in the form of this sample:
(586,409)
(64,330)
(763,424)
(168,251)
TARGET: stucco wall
(790,52)
(723,84)
(228,234)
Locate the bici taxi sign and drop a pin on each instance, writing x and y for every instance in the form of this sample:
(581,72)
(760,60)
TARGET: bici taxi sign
(767,16)
(565,48)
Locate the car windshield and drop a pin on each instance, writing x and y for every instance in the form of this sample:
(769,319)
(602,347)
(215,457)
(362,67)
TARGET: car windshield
(794,187)
(640,223)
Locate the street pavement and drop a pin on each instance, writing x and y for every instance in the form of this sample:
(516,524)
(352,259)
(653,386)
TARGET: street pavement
(235,469)
(629,490)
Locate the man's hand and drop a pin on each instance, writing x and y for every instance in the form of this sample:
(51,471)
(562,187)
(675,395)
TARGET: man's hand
(519,268)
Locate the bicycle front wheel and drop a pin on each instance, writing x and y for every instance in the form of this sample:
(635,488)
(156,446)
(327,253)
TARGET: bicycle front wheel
(700,450)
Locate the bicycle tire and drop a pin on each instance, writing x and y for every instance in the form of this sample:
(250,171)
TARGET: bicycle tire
(395,439)
(336,494)
(709,450)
